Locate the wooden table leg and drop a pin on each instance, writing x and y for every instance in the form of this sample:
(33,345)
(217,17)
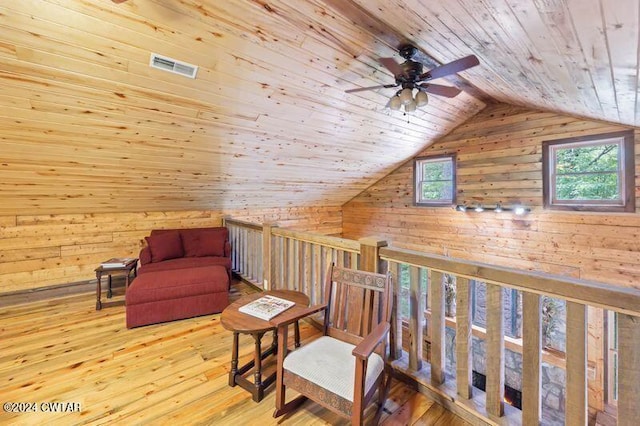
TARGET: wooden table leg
(234,361)
(274,344)
(109,292)
(296,332)
(257,375)
(98,291)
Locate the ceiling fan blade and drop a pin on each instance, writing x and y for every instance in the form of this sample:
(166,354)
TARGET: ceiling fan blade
(392,66)
(118,1)
(437,89)
(362,89)
(450,68)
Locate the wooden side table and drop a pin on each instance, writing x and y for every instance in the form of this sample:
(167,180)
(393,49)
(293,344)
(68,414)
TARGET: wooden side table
(238,322)
(131,266)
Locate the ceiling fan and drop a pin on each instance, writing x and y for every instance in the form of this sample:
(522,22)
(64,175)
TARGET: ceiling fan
(409,76)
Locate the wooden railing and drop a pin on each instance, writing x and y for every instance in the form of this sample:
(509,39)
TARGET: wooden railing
(246,250)
(298,260)
(275,258)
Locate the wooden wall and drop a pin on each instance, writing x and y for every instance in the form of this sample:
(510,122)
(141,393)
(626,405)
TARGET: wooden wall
(499,159)
(44,250)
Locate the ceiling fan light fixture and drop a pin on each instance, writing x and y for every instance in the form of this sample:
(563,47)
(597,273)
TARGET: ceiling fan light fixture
(395,103)
(421,98)
(406,96)
(410,107)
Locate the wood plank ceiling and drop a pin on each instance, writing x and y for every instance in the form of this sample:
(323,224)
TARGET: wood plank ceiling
(87,126)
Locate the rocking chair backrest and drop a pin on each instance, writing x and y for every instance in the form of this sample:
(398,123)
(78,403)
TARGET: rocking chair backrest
(357,302)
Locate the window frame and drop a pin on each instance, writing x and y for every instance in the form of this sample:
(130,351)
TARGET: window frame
(626,173)
(417,174)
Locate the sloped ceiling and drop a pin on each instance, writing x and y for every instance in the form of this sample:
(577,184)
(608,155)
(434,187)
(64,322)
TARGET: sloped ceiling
(87,126)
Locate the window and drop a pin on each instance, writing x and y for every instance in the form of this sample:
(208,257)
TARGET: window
(434,181)
(590,173)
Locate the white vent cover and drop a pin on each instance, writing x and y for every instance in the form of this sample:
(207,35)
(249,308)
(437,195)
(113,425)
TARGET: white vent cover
(177,67)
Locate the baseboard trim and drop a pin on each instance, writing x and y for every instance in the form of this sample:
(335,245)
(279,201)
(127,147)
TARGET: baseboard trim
(54,291)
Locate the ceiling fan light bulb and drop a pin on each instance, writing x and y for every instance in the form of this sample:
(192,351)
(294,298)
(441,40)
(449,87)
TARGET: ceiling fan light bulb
(395,103)
(406,96)
(410,107)
(422,99)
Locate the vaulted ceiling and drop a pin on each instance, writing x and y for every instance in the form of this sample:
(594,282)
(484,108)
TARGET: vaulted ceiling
(87,126)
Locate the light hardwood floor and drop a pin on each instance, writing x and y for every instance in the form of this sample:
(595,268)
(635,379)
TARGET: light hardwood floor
(63,350)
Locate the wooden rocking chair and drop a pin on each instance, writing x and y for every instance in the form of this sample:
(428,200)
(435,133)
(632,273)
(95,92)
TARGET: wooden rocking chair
(342,369)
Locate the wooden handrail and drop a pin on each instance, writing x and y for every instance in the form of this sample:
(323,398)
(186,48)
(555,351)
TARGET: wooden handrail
(242,223)
(619,299)
(324,240)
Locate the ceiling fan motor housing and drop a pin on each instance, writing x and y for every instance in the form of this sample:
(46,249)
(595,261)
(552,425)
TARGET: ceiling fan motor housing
(411,71)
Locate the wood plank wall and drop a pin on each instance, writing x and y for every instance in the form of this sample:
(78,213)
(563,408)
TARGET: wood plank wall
(44,250)
(499,159)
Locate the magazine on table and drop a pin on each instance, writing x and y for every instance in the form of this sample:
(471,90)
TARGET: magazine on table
(266,307)
(116,262)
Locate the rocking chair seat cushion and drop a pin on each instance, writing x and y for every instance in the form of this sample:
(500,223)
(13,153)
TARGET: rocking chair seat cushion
(329,363)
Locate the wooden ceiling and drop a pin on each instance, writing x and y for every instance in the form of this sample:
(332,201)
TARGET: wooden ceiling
(87,126)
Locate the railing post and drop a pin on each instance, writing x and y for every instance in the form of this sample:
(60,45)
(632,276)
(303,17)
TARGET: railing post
(437,326)
(495,351)
(576,402)
(629,367)
(370,261)
(267,261)
(370,253)
(463,338)
(416,315)
(531,345)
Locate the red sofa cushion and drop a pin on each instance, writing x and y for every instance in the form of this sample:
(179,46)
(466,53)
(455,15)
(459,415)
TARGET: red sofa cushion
(185,262)
(204,242)
(164,246)
(177,284)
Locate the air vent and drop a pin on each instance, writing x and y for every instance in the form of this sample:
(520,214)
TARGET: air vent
(177,67)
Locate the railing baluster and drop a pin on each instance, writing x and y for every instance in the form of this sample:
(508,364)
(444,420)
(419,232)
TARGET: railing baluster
(576,404)
(277,263)
(416,314)
(437,326)
(531,346)
(629,368)
(395,335)
(317,274)
(297,267)
(267,257)
(463,338)
(495,351)
(245,252)
(353,262)
(250,257)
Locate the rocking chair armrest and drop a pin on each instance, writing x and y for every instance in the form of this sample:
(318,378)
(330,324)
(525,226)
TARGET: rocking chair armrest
(287,318)
(373,339)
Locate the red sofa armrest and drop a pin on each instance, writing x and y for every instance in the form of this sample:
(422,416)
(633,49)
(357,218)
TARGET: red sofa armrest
(227,249)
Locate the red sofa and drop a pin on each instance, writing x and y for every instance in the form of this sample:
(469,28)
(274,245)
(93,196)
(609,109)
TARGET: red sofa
(183,273)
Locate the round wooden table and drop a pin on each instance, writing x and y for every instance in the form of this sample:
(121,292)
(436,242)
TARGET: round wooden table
(238,322)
